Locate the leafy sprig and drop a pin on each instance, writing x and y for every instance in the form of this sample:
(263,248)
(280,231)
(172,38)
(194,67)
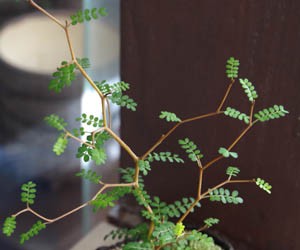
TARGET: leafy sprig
(107,199)
(209,222)
(28,193)
(271,113)
(249,89)
(63,77)
(90,175)
(34,230)
(232,68)
(60,145)
(90,120)
(232,171)
(225,196)
(191,149)
(226,153)
(123,100)
(169,116)
(9,226)
(164,157)
(263,185)
(87,15)
(233,113)
(56,122)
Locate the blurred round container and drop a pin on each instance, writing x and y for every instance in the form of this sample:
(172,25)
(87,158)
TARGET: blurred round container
(31,48)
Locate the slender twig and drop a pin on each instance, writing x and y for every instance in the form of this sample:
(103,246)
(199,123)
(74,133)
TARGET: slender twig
(46,13)
(200,183)
(66,29)
(207,165)
(226,95)
(21,212)
(94,134)
(122,144)
(251,112)
(164,136)
(78,139)
(209,191)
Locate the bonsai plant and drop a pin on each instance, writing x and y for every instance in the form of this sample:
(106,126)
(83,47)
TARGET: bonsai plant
(164,226)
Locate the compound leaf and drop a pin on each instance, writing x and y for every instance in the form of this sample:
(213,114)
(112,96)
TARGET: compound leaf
(90,175)
(263,185)
(9,226)
(271,113)
(34,230)
(249,89)
(232,68)
(56,122)
(169,117)
(28,193)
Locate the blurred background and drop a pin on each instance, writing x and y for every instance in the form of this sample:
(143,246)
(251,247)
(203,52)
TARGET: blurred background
(31,47)
(173,53)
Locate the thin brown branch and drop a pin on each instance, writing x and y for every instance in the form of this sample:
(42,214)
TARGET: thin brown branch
(251,112)
(207,165)
(46,13)
(78,139)
(122,144)
(226,95)
(182,218)
(66,29)
(165,136)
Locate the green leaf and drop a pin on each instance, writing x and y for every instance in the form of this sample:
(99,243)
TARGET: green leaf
(108,89)
(225,196)
(84,62)
(144,166)
(99,156)
(123,101)
(263,185)
(226,153)
(191,149)
(107,199)
(249,89)
(209,222)
(233,113)
(232,68)
(34,230)
(9,226)
(271,113)
(232,171)
(90,175)
(179,229)
(165,157)
(90,120)
(164,233)
(87,15)
(138,246)
(28,193)
(56,122)
(63,77)
(60,145)
(169,117)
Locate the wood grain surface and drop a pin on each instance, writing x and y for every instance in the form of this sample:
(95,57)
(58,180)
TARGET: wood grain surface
(173,54)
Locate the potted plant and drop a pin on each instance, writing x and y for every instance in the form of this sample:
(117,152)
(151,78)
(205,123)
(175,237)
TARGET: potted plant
(164,227)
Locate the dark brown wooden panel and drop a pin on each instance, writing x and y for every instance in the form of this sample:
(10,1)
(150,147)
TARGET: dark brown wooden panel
(173,54)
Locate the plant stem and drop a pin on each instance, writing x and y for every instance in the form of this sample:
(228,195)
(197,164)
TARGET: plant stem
(68,134)
(226,95)
(46,13)
(207,165)
(165,136)
(209,191)
(123,144)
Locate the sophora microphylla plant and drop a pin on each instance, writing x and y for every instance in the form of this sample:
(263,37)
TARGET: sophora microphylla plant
(164,226)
